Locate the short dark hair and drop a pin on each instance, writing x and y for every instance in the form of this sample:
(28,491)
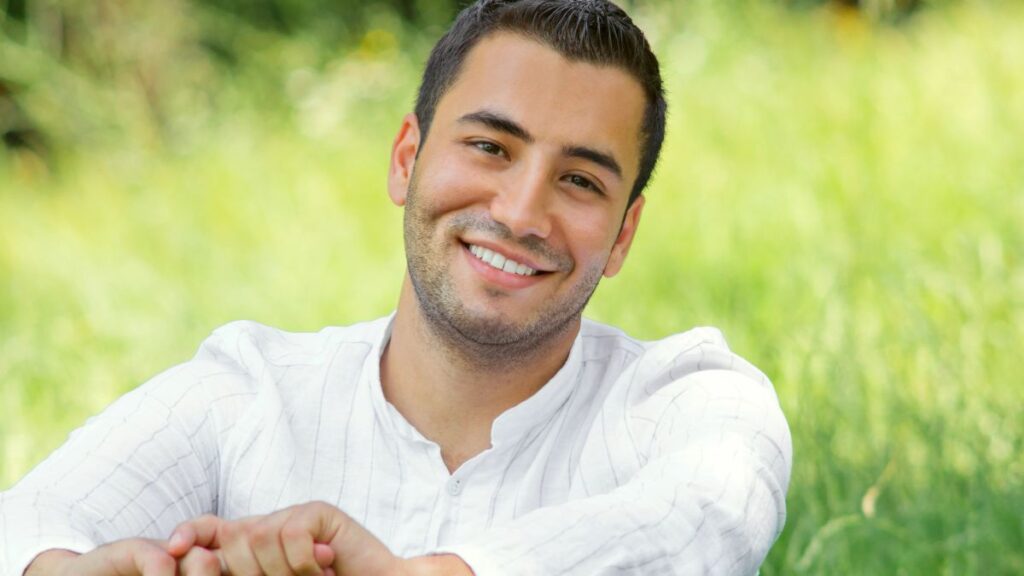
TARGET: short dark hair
(593,31)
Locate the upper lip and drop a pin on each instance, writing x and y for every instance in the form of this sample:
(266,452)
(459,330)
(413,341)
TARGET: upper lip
(511,254)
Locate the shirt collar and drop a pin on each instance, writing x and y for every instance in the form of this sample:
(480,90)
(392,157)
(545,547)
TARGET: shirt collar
(387,415)
(518,421)
(509,427)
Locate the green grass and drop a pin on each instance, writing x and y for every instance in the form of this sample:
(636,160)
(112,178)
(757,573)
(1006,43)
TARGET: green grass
(846,202)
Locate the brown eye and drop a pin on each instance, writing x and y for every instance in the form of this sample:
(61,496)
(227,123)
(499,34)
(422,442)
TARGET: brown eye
(580,181)
(489,148)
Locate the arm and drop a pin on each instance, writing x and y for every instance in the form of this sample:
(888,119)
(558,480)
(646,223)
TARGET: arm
(145,464)
(132,557)
(709,497)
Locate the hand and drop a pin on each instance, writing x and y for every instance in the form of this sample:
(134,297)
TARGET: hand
(198,561)
(314,539)
(132,557)
(141,557)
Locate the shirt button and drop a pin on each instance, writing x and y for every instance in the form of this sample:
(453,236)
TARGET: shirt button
(454,486)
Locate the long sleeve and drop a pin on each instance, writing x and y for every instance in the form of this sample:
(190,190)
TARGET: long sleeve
(143,465)
(707,495)
(671,457)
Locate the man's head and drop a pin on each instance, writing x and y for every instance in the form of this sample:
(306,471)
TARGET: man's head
(526,193)
(593,31)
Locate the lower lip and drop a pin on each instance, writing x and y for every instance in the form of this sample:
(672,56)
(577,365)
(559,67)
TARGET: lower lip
(500,277)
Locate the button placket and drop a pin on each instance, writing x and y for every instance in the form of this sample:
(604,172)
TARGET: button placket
(454,486)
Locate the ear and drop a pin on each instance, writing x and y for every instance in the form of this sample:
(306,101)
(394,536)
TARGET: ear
(625,239)
(403,158)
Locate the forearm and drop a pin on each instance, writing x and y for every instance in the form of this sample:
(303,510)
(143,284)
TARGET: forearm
(710,497)
(34,521)
(135,470)
(131,557)
(688,530)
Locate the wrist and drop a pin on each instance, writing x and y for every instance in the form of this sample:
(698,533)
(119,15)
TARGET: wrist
(436,565)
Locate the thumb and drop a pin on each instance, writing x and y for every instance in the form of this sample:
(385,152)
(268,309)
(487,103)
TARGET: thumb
(358,552)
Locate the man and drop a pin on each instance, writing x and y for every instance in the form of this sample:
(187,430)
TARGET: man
(484,427)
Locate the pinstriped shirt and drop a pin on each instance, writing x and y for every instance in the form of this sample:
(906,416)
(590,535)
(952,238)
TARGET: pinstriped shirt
(665,457)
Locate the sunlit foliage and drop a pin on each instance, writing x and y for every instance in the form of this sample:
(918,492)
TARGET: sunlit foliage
(844,197)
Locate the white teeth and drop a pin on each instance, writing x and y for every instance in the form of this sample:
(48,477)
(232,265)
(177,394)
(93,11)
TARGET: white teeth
(500,262)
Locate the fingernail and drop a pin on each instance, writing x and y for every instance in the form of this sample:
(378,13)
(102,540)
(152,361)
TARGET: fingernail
(176,540)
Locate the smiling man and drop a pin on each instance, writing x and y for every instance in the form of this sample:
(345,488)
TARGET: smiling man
(484,427)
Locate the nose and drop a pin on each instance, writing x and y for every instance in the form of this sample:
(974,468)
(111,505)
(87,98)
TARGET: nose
(522,204)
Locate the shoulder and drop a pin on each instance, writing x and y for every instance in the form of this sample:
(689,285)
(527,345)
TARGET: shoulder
(244,371)
(686,391)
(252,346)
(700,353)
(260,351)
(598,339)
(244,359)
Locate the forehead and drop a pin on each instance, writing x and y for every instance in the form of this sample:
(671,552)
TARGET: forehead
(557,100)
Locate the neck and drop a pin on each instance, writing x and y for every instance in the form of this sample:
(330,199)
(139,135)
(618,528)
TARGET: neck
(452,392)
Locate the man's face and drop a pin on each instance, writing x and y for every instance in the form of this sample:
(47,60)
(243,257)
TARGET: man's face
(515,203)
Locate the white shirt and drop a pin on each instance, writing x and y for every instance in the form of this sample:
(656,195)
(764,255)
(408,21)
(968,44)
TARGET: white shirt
(667,457)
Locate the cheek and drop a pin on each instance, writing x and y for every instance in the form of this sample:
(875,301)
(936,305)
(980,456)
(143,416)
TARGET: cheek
(454,184)
(590,236)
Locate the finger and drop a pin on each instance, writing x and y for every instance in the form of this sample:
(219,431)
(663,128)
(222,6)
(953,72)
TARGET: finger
(265,542)
(299,547)
(308,524)
(199,562)
(201,531)
(356,550)
(323,554)
(235,548)
(149,559)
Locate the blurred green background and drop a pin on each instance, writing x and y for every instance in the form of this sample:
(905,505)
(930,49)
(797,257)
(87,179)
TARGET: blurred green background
(842,191)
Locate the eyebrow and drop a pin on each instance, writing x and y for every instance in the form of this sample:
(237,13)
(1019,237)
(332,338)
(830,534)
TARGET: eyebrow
(596,156)
(502,123)
(498,122)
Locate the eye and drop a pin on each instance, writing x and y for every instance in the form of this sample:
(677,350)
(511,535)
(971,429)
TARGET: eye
(582,182)
(489,148)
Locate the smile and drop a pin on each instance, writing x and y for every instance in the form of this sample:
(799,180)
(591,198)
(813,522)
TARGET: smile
(495,260)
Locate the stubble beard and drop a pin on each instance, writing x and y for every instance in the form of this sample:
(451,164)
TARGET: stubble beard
(485,341)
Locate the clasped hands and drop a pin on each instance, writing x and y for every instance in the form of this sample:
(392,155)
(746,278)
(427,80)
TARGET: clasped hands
(314,539)
(304,540)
